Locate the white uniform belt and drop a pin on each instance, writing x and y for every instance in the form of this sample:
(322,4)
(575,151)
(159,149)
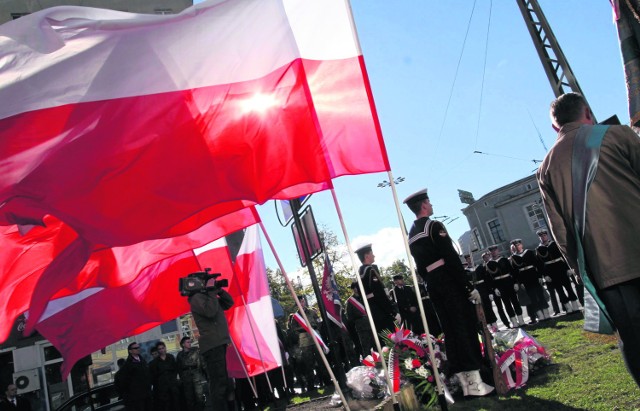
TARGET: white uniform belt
(435,265)
(502,276)
(553,261)
(478,282)
(370,295)
(526,268)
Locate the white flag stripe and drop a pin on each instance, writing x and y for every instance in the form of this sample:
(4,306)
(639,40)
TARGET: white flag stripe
(268,33)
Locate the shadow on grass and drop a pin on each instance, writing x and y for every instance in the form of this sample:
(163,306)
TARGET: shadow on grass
(513,402)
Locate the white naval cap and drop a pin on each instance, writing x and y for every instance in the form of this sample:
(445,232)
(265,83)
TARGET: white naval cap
(417,196)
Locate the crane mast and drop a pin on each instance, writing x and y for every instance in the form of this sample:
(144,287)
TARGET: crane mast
(555,64)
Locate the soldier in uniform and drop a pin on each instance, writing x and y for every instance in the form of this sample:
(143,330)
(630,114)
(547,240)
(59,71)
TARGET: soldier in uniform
(439,264)
(382,310)
(482,282)
(526,271)
(556,271)
(357,318)
(192,375)
(407,302)
(304,352)
(499,268)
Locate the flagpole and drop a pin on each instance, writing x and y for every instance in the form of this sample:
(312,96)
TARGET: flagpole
(396,406)
(405,237)
(253,334)
(253,388)
(304,315)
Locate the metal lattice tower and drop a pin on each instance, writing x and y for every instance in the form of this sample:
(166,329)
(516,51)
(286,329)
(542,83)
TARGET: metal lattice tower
(555,64)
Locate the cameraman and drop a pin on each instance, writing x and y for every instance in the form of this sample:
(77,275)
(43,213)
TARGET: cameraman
(208,308)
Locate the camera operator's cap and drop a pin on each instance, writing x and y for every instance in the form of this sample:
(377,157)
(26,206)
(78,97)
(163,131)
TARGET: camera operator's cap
(492,247)
(542,231)
(416,197)
(364,250)
(398,277)
(516,241)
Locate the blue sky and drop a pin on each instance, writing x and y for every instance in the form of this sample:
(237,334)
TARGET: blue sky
(411,50)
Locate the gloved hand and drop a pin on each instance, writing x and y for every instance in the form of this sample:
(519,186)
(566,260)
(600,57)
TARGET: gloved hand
(398,318)
(491,297)
(474,297)
(413,309)
(541,281)
(570,272)
(497,292)
(516,287)
(547,279)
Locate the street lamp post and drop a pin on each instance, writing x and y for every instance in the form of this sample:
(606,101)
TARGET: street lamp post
(386,183)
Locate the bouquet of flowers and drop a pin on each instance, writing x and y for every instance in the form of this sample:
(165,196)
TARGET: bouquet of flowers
(409,362)
(518,355)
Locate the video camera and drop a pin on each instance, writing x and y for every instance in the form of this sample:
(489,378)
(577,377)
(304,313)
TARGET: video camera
(197,282)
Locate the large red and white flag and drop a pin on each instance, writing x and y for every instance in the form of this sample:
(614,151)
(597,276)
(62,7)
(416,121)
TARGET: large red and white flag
(25,259)
(84,322)
(107,116)
(135,288)
(251,320)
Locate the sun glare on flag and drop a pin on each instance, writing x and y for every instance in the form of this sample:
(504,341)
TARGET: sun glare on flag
(258,103)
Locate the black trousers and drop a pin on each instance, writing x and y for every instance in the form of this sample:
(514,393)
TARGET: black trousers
(623,304)
(216,361)
(458,319)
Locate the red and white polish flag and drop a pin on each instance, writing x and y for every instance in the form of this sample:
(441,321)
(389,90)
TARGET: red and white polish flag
(107,116)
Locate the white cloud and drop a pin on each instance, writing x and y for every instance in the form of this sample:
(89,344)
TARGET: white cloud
(387,244)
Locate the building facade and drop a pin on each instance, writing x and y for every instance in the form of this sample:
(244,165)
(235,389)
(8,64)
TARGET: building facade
(509,212)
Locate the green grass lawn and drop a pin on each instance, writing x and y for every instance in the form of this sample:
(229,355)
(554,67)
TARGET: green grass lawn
(586,373)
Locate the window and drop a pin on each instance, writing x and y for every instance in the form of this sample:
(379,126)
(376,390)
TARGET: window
(477,240)
(496,231)
(535,216)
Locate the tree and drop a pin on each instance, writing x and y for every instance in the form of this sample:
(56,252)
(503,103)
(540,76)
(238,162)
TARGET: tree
(396,268)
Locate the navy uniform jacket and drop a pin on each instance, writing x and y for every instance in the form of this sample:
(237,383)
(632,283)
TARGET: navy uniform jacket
(525,267)
(551,258)
(382,310)
(429,248)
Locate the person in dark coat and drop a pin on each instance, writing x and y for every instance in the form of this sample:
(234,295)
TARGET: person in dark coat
(11,402)
(164,378)
(207,308)
(438,263)
(382,310)
(136,381)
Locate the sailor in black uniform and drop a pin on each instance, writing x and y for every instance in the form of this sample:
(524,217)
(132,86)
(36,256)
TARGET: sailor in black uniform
(439,265)
(555,271)
(382,310)
(526,269)
(499,268)
(407,302)
(482,282)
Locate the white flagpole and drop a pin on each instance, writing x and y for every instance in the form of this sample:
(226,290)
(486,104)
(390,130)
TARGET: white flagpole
(365,300)
(253,388)
(405,238)
(306,320)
